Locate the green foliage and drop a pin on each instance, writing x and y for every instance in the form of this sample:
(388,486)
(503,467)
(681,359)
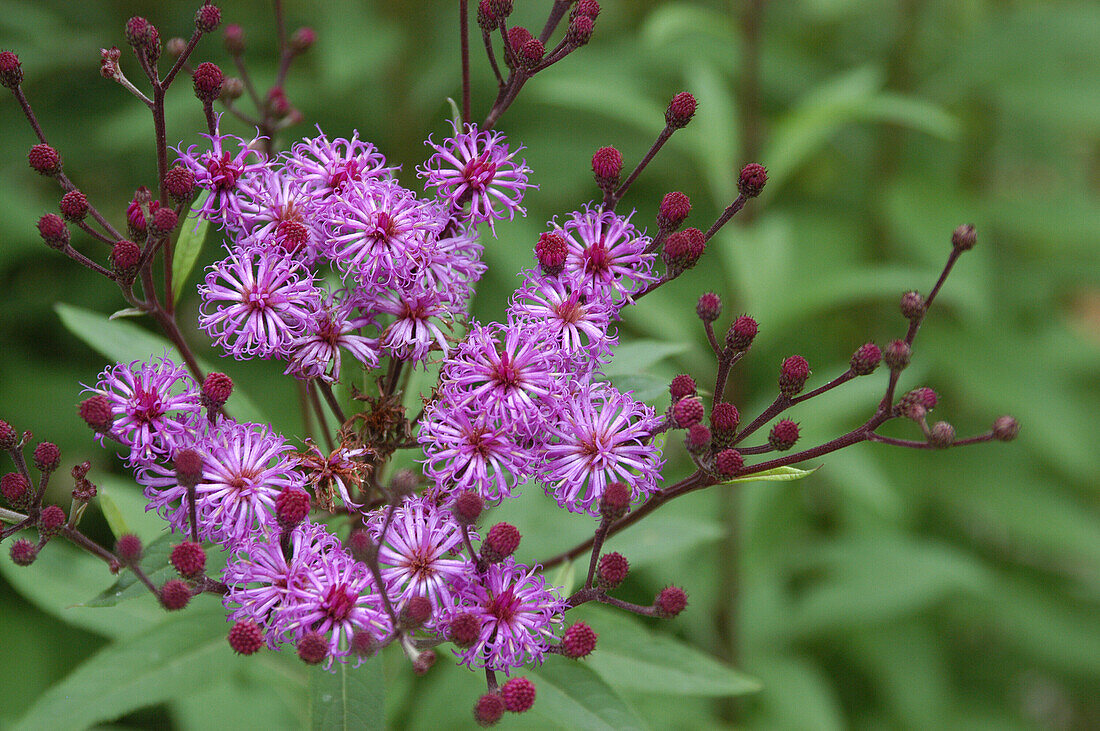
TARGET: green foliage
(348,698)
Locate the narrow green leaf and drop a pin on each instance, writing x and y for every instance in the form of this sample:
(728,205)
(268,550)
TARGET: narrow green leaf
(644,386)
(776,474)
(456,115)
(565,578)
(571,695)
(185,653)
(126,312)
(348,697)
(125,342)
(188,246)
(154,562)
(631,658)
(129,500)
(113,514)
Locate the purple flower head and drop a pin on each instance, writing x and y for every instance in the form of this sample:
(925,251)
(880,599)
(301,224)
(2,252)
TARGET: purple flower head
(600,436)
(151,403)
(421,553)
(316,352)
(220,171)
(607,256)
(509,373)
(477,175)
(376,231)
(464,450)
(454,264)
(579,323)
(276,209)
(517,612)
(326,167)
(317,588)
(415,329)
(244,468)
(257,302)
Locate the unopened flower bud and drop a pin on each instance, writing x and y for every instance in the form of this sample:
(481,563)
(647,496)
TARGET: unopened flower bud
(143,37)
(680,110)
(175,47)
(124,259)
(180,183)
(208,82)
(108,63)
(517,36)
(464,630)
(578,641)
(11,70)
(670,601)
(897,355)
(783,435)
(207,18)
(291,507)
(530,54)
(47,456)
(487,18)
(681,386)
(724,418)
(793,374)
(1005,428)
(188,464)
(424,661)
(233,37)
(188,559)
(590,8)
(683,249)
(607,166)
(8,437)
(96,413)
(500,543)
(361,545)
(74,206)
(175,595)
(363,644)
(687,412)
(728,463)
(673,211)
(698,439)
(741,333)
(164,221)
(312,648)
(964,237)
(53,231)
(404,482)
(128,549)
(580,30)
(612,570)
(551,252)
(16,489)
(615,501)
(232,89)
(912,305)
(245,637)
(502,8)
(489,709)
(50,521)
(467,507)
(23,552)
(415,613)
(941,435)
(752,179)
(44,159)
(518,695)
(216,389)
(865,360)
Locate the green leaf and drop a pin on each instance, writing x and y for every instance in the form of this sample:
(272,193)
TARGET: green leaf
(128,499)
(183,654)
(154,562)
(644,386)
(126,312)
(630,657)
(188,246)
(456,114)
(112,513)
(776,474)
(652,542)
(349,697)
(573,696)
(638,356)
(125,342)
(565,578)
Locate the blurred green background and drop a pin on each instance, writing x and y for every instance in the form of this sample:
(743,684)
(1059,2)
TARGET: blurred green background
(893,588)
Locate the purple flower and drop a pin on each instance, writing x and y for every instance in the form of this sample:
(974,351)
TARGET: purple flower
(317,588)
(452,265)
(476,168)
(220,170)
(257,303)
(606,257)
(421,553)
(580,324)
(275,208)
(244,468)
(376,232)
(316,352)
(327,167)
(517,614)
(415,329)
(464,450)
(151,403)
(507,372)
(600,436)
